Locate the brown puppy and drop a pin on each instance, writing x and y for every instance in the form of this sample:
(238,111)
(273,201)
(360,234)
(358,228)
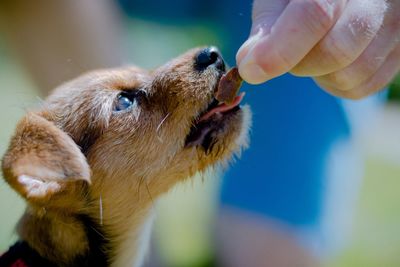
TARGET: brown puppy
(102,148)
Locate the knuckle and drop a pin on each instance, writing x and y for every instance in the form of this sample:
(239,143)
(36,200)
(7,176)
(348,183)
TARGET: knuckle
(321,14)
(341,81)
(299,71)
(364,27)
(324,84)
(355,94)
(338,54)
(354,74)
(276,64)
(370,65)
(367,19)
(371,85)
(284,60)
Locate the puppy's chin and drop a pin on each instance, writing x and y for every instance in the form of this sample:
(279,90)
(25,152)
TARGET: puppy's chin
(222,135)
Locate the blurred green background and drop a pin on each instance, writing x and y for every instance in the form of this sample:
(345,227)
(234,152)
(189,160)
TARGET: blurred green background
(181,233)
(394,93)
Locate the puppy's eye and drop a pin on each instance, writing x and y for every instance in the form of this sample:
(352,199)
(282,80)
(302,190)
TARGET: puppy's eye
(125,101)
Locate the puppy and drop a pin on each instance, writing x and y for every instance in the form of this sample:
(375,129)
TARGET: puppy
(102,148)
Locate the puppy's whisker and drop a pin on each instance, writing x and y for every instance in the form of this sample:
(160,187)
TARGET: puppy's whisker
(148,192)
(159,126)
(101,210)
(136,115)
(193,125)
(141,180)
(97,232)
(41,103)
(162,121)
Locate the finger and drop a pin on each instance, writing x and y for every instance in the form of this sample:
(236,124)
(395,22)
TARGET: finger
(345,42)
(265,14)
(301,25)
(372,58)
(378,81)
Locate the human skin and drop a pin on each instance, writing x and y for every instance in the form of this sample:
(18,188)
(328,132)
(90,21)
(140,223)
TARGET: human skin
(247,239)
(351,48)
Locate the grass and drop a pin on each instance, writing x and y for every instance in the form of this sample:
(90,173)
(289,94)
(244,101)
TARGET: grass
(376,235)
(394,92)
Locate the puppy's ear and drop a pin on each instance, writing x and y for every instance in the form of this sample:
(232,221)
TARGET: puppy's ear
(45,166)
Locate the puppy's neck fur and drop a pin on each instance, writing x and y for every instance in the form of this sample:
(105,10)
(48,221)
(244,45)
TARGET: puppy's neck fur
(112,228)
(125,216)
(109,234)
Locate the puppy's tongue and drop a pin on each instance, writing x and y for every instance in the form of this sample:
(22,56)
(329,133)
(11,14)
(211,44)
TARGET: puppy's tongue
(226,93)
(223,107)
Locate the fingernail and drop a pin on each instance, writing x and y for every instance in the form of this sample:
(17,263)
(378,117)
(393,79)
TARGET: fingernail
(248,46)
(251,72)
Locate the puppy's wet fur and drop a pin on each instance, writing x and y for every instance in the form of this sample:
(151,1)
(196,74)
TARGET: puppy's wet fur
(90,170)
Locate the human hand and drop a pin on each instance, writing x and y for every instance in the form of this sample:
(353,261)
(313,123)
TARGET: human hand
(350,47)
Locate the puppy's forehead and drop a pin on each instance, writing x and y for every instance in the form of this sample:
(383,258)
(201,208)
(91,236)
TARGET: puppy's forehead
(120,79)
(124,78)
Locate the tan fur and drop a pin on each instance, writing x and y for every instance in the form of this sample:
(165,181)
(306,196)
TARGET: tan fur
(129,158)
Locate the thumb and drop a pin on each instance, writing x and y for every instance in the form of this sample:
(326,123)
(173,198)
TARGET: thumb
(265,14)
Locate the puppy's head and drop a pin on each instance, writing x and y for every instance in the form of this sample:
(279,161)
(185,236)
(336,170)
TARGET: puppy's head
(102,140)
(127,124)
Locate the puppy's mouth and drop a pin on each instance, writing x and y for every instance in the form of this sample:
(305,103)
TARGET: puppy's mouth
(211,124)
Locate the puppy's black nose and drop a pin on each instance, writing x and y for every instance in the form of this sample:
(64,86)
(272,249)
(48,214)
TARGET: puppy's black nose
(207,57)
